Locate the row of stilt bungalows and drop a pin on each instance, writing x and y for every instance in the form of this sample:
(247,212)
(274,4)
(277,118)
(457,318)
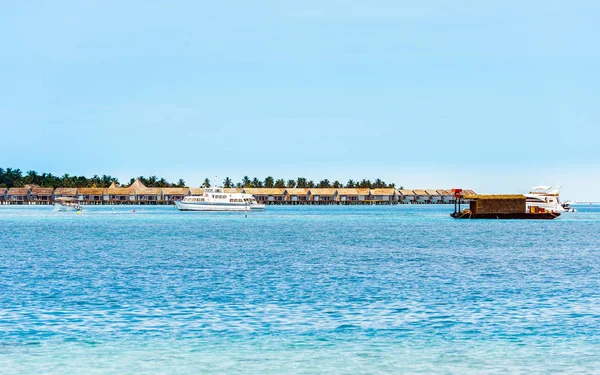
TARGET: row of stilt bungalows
(137,193)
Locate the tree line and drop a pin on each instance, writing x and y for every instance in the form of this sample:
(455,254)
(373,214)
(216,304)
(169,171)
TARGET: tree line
(301,182)
(10,177)
(14,177)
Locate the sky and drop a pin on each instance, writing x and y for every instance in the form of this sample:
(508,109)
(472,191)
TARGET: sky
(495,96)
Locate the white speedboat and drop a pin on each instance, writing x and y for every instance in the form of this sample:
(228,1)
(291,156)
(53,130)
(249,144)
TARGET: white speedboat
(215,199)
(66,204)
(545,197)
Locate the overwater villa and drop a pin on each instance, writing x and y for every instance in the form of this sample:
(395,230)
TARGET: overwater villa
(172,194)
(3,195)
(65,193)
(41,195)
(445,196)
(18,195)
(406,196)
(323,195)
(118,195)
(384,196)
(297,196)
(347,196)
(421,196)
(434,196)
(144,194)
(266,195)
(90,195)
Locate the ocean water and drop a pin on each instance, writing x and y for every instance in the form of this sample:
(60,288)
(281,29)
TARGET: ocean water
(297,290)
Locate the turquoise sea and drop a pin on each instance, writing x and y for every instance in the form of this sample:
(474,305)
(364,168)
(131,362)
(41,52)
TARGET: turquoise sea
(297,290)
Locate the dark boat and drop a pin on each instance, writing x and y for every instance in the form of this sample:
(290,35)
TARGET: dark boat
(499,207)
(467,214)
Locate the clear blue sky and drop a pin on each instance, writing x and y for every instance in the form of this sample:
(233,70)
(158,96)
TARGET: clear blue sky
(337,89)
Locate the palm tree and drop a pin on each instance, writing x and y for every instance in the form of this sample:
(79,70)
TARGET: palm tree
(227,183)
(310,184)
(162,182)
(269,182)
(280,183)
(151,181)
(256,183)
(31,177)
(181,183)
(365,184)
(336,184)
(324,184)
(291,184)
(301,182)
(350,184)
(379,183)
(206,183)
(238,185)
(246,181)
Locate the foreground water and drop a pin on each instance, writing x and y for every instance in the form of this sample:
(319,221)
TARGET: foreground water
(303,290)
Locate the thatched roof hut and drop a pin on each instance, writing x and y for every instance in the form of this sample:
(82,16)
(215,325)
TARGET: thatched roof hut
(65,192)
(116,191)
(176,191)
(197,191)
(407,192)
(323,191)
(232,190)
(383,192)
(297,191)
(347,192)
(497,204)
(91,191)
(40,191)
(18,192)
(264,191)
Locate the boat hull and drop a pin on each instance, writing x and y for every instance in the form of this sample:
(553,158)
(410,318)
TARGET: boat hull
(217,206)
(524,215)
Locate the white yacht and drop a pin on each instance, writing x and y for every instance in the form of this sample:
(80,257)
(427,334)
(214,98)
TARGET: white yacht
(215,199)
(545,197)
(66,204)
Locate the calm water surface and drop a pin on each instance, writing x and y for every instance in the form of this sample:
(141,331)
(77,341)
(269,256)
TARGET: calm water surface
(303,290)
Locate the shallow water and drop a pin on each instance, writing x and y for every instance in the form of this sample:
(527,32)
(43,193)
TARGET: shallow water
(332,289)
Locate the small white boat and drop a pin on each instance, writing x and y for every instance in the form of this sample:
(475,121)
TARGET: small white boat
(66,204)
(545,197)
(215,199)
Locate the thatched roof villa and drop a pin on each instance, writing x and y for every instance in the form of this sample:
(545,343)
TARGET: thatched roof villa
(323,195)
(297,195)
(349,195)
(3,195)
(172,194)
(65,192)
(42,195)
(18,195)
(406,196)
(266,195)
(364,194)
(196,191)
(383,195)
(90,195)
(115,194)
(434,196)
